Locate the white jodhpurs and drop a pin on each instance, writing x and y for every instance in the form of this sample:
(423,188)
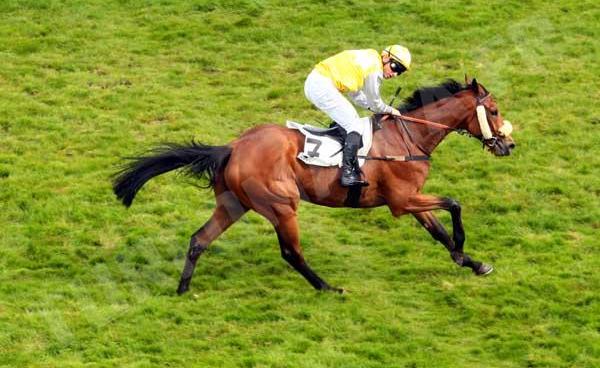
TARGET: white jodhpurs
(321,91)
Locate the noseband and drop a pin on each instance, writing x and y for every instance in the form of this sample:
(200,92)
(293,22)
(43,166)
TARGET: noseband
(488,138)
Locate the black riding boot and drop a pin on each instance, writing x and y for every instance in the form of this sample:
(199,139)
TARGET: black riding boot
(350,170)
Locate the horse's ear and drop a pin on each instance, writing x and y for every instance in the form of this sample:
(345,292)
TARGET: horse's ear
(475,86)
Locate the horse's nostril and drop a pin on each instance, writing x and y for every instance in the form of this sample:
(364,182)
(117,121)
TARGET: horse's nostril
(511,146)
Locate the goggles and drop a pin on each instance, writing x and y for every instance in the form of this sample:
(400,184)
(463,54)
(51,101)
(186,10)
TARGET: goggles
(397,67)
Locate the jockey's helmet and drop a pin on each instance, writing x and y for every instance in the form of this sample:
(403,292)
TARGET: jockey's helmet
(398,53)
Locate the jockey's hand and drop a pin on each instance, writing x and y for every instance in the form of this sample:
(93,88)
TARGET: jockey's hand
(395,112)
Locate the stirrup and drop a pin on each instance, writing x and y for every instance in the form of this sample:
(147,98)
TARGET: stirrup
(353,180)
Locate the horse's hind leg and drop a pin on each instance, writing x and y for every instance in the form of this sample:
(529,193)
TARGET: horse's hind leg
(227,212)
(276,197)
(289,242)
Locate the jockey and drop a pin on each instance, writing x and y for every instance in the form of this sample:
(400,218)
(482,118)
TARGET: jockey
(358,73)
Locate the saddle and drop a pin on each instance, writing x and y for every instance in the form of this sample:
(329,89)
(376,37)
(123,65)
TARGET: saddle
(334,131)
(323,146)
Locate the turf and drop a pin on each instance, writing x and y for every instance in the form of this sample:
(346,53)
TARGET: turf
(85,282)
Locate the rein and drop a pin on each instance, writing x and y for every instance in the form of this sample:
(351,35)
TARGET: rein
(410,156)
(487,138)
(427,122)
(479,108)
(427,156)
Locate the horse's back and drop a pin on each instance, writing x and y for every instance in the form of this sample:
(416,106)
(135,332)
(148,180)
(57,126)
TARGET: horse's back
(261,168)
(267,144)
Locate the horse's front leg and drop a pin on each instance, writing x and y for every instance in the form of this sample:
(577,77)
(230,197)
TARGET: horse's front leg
(420,205)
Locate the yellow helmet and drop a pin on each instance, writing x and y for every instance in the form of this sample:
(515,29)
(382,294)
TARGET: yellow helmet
(398,53)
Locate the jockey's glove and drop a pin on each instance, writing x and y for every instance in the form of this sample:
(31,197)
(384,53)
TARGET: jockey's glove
(395,112)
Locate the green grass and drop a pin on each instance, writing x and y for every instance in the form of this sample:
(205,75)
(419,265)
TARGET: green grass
(84,281)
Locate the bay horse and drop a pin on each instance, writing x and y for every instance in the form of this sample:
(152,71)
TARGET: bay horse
(260,171)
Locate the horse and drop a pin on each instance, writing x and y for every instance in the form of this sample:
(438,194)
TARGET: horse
(260,171)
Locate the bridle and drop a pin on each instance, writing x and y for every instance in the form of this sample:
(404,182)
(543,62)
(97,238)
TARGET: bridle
(487,138)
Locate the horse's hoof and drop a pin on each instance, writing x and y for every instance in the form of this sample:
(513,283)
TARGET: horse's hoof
(183,287)
(334,289)
(484,270)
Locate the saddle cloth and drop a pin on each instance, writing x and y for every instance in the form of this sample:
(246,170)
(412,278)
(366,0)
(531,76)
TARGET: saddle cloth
(323,150)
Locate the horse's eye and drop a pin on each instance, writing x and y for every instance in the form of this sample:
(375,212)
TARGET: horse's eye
(494,112)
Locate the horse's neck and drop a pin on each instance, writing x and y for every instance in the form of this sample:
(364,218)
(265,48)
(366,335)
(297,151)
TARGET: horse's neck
(451,112)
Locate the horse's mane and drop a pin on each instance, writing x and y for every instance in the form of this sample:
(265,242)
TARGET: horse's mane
(426,95)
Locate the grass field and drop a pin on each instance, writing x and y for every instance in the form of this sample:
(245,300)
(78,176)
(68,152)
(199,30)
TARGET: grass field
(85,282)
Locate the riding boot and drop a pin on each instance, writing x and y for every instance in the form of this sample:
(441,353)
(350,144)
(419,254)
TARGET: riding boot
(350,171)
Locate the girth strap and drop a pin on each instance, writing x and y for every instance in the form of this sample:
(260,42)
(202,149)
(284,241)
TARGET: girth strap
(396,158)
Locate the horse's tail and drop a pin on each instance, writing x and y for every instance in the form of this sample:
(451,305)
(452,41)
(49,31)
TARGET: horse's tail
(197,159)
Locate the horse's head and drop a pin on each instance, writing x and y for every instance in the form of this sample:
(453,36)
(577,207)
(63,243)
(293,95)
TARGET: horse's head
(487,124)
